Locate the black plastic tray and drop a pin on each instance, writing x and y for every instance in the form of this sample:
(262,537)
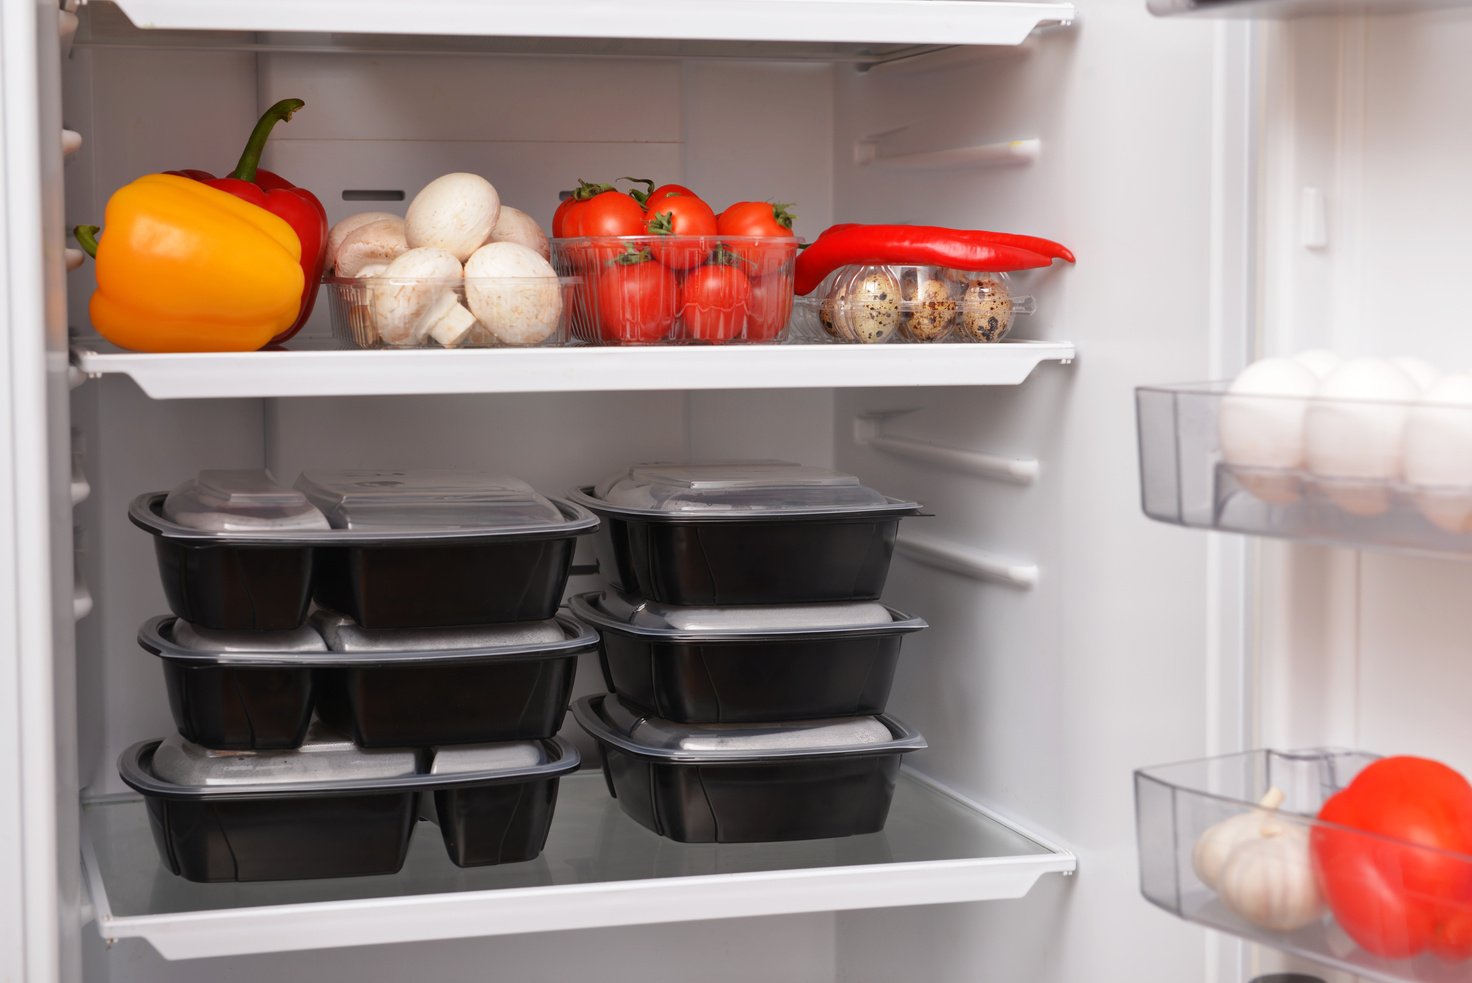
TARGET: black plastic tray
(733,559)
(261,582)
(316,830)
(752,676)
(246,701)
(764,797)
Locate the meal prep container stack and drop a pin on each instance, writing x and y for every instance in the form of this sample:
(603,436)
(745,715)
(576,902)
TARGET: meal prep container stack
(435,660)
(747,653)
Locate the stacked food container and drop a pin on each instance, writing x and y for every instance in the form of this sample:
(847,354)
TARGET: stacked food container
(748,656)
(309,740)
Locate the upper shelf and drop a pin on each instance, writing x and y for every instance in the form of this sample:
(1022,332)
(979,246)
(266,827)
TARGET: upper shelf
(1283,9)
(599,868)
(839,30)
(339,372)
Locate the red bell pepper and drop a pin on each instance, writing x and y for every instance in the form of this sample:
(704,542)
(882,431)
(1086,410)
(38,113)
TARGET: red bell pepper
(1391,858)
(297,206)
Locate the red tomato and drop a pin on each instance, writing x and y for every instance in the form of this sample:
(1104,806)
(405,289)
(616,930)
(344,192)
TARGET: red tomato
(559,217)
(764,219)
(610,213)
(668,189)
(713,303)
(680,215)
(637,301)
(1400,889)
(768,308)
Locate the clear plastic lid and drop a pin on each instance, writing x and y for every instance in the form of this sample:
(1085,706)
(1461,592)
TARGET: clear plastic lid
(510,757)
(303,639)
(644,617)
(607,718)
(736,487)
(240,501)
(384,500)
(343,634)
(325,756)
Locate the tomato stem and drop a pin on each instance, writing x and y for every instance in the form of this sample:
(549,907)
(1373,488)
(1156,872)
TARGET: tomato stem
(640,196)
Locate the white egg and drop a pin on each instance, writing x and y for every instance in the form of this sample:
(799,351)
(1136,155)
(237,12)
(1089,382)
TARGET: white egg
(1319,361)
(1353,433)
(1438,453)
(1261,427)
(1422,372)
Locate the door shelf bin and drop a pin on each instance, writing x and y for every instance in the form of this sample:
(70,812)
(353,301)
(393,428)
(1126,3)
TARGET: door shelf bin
(1175,804)
(1187,480)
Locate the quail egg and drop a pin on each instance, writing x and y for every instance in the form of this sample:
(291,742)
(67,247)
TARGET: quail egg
(870,312)
(929,309)
(828,315)
(986,310)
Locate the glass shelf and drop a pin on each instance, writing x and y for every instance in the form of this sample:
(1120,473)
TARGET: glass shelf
(599,868)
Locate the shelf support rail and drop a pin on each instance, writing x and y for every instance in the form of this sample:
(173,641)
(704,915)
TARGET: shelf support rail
(868,432)
(968,562)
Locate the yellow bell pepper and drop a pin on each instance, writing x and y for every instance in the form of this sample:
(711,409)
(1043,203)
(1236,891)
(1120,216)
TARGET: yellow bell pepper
(183,267)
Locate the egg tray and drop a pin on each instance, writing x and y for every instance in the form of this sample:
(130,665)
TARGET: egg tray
(909,305)
(1176,804)
(1186,481)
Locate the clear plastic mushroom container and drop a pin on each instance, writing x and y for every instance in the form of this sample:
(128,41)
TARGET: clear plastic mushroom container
(875,305)
(469,312)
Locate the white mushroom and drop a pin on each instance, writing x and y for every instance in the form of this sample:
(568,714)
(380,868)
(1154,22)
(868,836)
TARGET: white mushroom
(377,242)
(456,213)
(517,226)
(373,269)
(413,295)
(514,293)
(346,227)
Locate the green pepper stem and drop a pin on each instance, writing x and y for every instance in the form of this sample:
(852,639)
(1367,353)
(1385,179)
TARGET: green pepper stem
(250,157)
(86,236)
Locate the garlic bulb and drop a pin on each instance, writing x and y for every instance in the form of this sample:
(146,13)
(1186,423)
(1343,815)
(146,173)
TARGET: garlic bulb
(1269,880)
(1259,866)
(1215,845)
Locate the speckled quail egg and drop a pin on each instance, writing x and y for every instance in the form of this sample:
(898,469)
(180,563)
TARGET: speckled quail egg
(871,308)
(929,308)
(986,310)
(828,317)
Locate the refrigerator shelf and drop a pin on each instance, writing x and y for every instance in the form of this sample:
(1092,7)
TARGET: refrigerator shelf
(885,23)
(1175,804)
(1187,480)
(599,868)
(335,371)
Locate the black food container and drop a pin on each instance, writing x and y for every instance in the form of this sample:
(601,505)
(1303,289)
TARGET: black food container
(724,783)
(387,688)
(410,687)
(333,810)
(754,532)
(390,549)
(236,690)
(747,664)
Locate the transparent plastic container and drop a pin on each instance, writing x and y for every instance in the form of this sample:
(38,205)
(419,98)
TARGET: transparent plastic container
(897,304)
(475,312)
(425,500)
(1278,884)
(240,501)
(1283,466)
(756,488)
(669,290)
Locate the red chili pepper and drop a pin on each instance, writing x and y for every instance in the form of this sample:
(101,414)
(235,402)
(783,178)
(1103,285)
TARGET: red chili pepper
(865,245)
(1046,247)
(298,206)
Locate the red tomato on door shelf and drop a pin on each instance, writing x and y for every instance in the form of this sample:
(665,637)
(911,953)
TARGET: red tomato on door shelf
(637,300)
(1407,886)
(713,303)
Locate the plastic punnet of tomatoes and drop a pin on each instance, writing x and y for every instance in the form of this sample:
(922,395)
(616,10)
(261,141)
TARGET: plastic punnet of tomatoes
(674,289)
(871,305)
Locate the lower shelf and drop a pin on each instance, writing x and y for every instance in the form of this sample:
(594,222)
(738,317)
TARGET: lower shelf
(599,869)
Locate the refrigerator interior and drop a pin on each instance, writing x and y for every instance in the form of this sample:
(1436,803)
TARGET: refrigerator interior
(1172,157)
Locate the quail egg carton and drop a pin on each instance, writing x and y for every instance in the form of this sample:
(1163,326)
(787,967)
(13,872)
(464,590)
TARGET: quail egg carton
(678,290)
(473,312)
(1232,843)
(910,305)
(1378,474)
